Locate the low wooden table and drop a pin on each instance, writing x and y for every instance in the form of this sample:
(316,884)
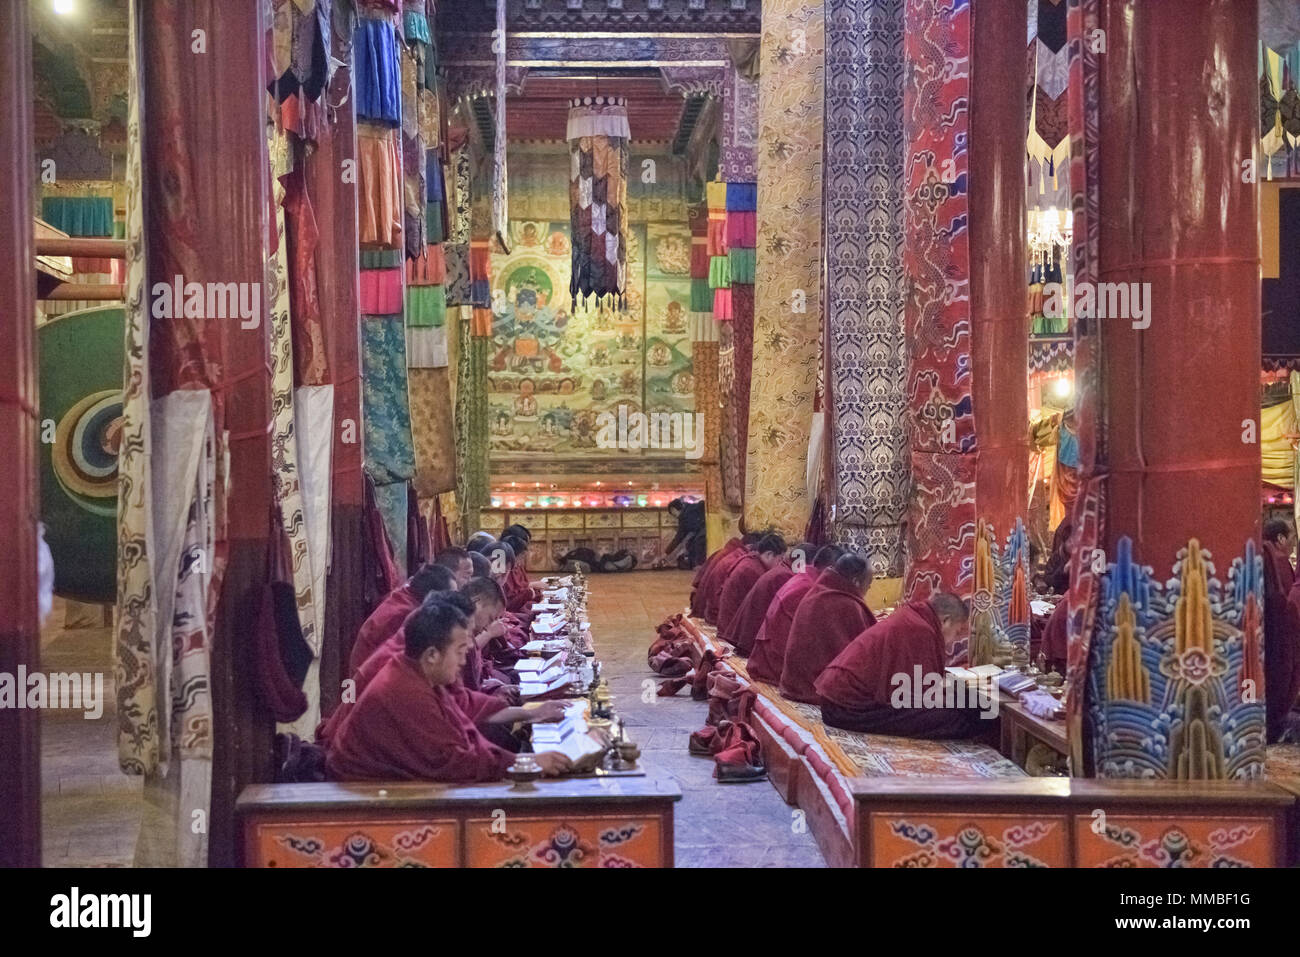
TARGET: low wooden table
(578,822)
(1022,730)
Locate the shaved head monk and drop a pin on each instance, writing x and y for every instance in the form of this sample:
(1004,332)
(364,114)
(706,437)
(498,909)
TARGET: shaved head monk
(752,611)
(486,626)
(414,721)
(764,556)
(869,686)
(706,570)
(718,578)
(385,620)
(457,561)
(830,616)
(768,655)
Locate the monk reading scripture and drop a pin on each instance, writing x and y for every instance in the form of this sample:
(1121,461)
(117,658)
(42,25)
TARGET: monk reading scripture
(749,618)
(414,722)
(385,620)
(482,672)
(457,561)
(766,555)
(831,615)
(768,655)
(869,685)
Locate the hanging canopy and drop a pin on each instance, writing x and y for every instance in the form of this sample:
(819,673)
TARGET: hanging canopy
(598,147)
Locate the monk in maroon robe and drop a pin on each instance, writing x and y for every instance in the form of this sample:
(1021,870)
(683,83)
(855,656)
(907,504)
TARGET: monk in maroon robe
(457,561)
(1281,634)
(716,582)
(1055,646)
(415,722)
(483,672)
(749,617)
(831,615)
(768,655)
(766,555)
(703,575)
(385,620)
(869,685)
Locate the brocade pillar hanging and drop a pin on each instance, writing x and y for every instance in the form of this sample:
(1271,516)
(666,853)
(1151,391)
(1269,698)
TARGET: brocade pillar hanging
(598,138)
(500,203)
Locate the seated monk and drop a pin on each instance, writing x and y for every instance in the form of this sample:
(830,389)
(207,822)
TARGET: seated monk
(415,722)
(766,555)
(869,685)
(385,620)
(482,672)
(1055,647)
(768,655)
(721,572)
(830,616)
(1281,637)
(704,571)
(752,611)
(456,561)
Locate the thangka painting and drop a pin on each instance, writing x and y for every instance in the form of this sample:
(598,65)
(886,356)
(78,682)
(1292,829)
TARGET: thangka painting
(552,371)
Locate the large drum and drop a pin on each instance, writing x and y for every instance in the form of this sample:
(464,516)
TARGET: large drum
(81,410)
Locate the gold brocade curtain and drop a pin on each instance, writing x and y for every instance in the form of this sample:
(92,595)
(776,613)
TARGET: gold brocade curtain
(598,138)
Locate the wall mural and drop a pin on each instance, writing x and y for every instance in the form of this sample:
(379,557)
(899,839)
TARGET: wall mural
(552,370)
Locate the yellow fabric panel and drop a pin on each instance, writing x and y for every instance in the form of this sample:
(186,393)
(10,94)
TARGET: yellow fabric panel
(1276,424)
(787,283)
(1269,229)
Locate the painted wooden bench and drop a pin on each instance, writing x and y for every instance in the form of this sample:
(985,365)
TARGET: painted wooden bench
(576,822)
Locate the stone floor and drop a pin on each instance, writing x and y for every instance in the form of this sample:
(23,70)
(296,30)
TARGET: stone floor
(717,825)
(92,811)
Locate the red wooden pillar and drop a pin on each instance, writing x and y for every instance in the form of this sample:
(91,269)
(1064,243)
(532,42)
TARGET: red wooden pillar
(1174,656)
(999,353)
(1176,214)
(20,748)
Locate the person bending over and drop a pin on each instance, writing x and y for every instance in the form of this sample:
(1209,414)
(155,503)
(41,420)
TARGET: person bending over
(870,686)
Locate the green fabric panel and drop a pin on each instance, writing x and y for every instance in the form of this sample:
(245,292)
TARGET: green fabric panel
(416,27)
(79,215)
(701,296)
(426,306)
(433,222)
(719,273)
(381,258)
(742,265)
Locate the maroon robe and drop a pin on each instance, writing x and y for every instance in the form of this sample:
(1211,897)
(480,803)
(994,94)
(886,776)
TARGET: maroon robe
(1281,637)
(402,728)
(749,618)
(855,690)
(735,590)
(768,656)
(520,595)
(700,583)
(1055,646)
(718,580)
(830,616)
(382,624)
